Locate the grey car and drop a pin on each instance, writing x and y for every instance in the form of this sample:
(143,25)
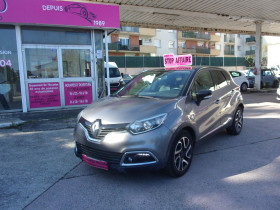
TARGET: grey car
(154,121)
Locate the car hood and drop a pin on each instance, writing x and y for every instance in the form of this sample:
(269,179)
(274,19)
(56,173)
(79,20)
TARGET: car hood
(119,110)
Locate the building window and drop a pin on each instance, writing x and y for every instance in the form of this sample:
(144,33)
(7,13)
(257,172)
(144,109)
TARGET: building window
(157,43)
(239,48)
(171,44)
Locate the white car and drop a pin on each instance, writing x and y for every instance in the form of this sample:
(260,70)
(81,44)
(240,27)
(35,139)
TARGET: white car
(240,79)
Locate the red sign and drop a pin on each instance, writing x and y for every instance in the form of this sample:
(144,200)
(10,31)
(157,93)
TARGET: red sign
(77,93)
(43,95)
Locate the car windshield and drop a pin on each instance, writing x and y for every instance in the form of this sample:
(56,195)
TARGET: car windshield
(113,72)
(156,84)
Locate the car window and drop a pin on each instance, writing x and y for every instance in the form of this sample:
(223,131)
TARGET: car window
(161,84)
(251,73)
(219,79)
(235,74)
(204,81)
(266,73)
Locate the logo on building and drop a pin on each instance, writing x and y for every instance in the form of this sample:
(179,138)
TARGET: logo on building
(3,6)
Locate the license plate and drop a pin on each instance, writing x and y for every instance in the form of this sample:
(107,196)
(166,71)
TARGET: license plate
(95,163)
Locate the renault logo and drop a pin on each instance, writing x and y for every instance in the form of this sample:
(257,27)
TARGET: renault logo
(95,128)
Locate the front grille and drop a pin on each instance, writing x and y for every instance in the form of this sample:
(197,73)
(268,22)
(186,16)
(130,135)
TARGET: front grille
(110,157)
(104,129)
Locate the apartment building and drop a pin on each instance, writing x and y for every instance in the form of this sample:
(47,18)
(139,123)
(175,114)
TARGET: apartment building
(133,41)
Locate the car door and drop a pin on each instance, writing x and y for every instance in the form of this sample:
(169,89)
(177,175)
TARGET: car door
(224,93)
(206,112)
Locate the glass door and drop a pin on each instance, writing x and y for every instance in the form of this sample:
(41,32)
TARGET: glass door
(42,76)
(78,80)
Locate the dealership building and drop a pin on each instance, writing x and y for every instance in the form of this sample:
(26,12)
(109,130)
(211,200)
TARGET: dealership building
(51,53)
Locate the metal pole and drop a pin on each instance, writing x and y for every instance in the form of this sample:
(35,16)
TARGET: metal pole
(107,63)
(258,55)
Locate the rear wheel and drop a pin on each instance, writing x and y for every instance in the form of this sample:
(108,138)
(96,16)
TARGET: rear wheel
(244,87)
(181,155)
(237,123)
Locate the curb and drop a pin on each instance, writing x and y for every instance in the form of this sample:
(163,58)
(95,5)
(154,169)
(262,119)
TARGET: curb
(11,122)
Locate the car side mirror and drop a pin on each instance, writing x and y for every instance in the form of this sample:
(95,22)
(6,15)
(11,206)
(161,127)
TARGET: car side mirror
(203,95)
(122,75)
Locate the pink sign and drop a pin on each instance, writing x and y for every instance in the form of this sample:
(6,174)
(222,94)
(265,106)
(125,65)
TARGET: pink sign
(179,60)
(44,94)
(77,93)
(51,12)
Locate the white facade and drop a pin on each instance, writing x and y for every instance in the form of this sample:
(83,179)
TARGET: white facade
(165,41)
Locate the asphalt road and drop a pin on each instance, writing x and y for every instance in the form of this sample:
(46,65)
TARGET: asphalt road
(38,170)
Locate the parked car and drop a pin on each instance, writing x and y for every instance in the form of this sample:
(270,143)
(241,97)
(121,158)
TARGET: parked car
(115,77)
(154,121)
(268,78)
(240,79)
(127,78)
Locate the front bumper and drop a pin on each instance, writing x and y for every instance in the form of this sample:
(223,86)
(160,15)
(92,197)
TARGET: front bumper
(147,151)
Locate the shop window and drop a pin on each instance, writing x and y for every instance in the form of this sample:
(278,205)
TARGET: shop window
(35,35)
(10,92)
(41,63)
(76,63)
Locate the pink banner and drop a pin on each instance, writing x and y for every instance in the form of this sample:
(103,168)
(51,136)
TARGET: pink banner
(77,93)
(179,60)
(43,95)
(51,12)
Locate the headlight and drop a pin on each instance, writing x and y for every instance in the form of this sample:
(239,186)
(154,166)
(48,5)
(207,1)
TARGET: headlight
(145,125)
(79,116)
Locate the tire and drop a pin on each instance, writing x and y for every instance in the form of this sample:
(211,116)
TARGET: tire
(181,155)
(237,122)
(244,87)
(275,84)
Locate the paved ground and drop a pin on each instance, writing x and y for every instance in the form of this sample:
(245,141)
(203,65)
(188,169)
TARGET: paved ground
(38,169)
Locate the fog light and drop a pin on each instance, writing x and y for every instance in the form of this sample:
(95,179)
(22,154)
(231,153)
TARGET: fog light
(138,158)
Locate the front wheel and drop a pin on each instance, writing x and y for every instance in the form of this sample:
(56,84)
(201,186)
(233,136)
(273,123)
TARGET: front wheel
(237,123)
(181,155)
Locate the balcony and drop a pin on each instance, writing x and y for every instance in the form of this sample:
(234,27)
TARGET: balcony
(215,52)
(148,49)
(193,35)
(250,52)
(229,52)
(120,47)
(251,40)
(196,50)
(129,30)
(215,38)
(147,32)
(229,39)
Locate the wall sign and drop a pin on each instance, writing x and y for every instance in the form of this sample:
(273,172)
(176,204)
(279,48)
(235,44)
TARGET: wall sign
(77,93)
(51,12)
(44,94)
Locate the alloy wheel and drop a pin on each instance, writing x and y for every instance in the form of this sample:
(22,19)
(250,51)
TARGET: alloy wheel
(183,154)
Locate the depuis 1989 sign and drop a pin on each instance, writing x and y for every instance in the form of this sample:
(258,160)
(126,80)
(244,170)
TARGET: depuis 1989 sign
(50,12)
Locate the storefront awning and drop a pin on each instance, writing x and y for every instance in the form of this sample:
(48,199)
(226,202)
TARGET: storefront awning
(234,16)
